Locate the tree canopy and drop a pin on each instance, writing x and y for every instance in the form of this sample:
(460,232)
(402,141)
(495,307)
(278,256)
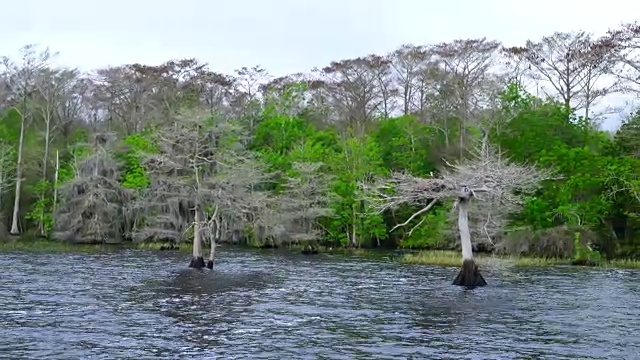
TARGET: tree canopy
(150,152)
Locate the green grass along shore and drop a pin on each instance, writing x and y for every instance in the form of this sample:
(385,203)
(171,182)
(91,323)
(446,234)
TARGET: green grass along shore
(442,258)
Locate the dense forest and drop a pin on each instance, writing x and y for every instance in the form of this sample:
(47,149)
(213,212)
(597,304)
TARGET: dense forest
(174,151)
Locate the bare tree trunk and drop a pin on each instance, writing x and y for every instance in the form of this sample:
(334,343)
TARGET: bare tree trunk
(47,146)
(45,168)
(16,204)
(463,228)
(462,134)
(55,184)
(216,235)
(469,276)
(354,239)
(197,261)
(212,254)
(446,132)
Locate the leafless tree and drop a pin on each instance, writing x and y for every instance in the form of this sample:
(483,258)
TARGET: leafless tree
(54,90)
(382,72)
(198,171)
(598,58)
(353,90)
(216,91)
(131,95)
(247,99)
(92,202)
(305,200)
(625,40)
(407,62)
(499,184)
(124,95)
(573,63)
(466,64)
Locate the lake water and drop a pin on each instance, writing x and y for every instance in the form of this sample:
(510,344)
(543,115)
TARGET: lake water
(135,304)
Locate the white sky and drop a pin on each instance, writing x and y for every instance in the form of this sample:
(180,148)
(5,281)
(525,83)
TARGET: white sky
(284,36)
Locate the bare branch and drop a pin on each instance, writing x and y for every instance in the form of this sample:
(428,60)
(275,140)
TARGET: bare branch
(498,184)
(416,214)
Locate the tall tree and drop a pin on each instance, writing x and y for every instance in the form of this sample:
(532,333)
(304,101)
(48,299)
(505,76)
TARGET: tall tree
(21,78)
(626,40)
(407,62)
(572,63)
(352,87)
(466,64)
(197,174)
(499,184)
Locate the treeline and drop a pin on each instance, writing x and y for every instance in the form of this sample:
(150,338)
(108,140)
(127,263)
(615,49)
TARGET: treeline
(176,151)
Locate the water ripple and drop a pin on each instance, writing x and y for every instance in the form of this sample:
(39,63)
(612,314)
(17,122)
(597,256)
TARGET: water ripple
(138,304)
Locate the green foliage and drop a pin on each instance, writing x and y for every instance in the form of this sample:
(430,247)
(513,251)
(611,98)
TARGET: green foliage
(430,233)
(534,131)
(10,125)
(584,254)
(627,138)
(596,175)
(73,153)
(279,133)
(595,185)
(405,145)
(134,175)
(354,222)
(41,209)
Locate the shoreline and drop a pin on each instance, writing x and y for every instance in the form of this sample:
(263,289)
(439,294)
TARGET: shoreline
(442,258)
(447,258)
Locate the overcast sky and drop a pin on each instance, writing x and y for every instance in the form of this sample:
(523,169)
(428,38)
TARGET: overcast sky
(284,36)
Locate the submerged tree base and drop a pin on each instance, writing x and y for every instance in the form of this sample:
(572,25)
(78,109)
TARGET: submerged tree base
(197,262)
(469,275)
(210,264)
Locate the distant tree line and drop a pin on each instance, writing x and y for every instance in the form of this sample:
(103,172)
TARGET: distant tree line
(177,152)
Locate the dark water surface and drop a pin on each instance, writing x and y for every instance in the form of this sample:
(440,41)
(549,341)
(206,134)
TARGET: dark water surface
(148,305)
